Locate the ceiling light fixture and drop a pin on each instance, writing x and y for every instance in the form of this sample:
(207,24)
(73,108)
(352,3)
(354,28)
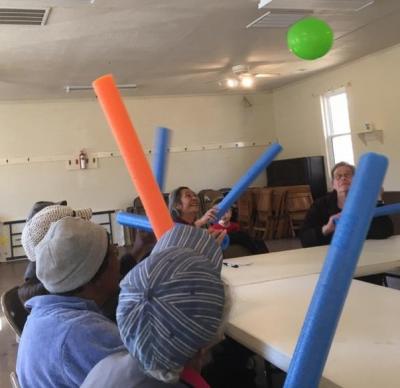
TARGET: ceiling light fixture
(244,78)
(232,83)
(266,75)
(72,88)
(247,81)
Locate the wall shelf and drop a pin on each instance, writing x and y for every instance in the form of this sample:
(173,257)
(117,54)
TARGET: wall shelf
(93,157)
(374,134)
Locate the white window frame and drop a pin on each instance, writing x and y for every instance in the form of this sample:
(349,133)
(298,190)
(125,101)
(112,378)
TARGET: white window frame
(328,125)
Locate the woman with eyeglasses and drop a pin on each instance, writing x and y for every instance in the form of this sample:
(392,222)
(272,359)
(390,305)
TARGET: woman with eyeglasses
(320,223)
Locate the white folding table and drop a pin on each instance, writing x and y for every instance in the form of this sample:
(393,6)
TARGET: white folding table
(267,318)
(377,256)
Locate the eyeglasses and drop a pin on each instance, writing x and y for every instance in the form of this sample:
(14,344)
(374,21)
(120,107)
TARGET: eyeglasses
(338,177)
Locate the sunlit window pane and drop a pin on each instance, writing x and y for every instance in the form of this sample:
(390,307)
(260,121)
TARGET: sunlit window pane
(339,114)
(337,127)
(342,149)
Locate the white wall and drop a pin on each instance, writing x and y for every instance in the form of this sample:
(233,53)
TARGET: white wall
(63,127)
(374,96)
(292,114)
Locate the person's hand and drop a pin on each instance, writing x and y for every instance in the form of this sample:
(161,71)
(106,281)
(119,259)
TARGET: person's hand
(217,234)
(330,227)
(208,216)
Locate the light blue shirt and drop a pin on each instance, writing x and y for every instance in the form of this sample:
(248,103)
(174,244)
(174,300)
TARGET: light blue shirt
(63,339)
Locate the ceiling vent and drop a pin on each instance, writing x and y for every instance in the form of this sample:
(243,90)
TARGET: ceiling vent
(328,5)
(26,17)
(277,18)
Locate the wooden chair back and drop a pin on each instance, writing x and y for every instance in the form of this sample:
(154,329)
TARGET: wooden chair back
(263,214)
(207,198)
(245,211)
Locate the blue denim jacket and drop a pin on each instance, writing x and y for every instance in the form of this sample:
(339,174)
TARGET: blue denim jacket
(63,338)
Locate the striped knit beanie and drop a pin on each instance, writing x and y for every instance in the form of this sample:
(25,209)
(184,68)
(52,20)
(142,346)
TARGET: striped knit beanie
(171,305)
(36,227)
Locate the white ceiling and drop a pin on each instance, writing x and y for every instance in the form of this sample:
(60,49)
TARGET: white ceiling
(173,46)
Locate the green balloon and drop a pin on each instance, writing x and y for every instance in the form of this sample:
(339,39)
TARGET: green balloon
(310,38)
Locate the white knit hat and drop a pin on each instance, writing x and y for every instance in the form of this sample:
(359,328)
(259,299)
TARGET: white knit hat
(36,228)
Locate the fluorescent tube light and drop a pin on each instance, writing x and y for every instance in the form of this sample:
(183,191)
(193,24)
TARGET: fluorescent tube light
(74,88)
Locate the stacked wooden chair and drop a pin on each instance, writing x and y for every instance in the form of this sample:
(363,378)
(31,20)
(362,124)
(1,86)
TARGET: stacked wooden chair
(245,206)
(298,204)
(208,197)
(263,220)
(274,212)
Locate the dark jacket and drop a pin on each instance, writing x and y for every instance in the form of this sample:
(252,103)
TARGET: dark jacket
(325,207)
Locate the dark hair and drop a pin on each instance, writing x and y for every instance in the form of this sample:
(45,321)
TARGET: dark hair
(103,267)
(342,164)
(174,199)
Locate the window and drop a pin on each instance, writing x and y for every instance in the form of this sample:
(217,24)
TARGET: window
(335,114)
